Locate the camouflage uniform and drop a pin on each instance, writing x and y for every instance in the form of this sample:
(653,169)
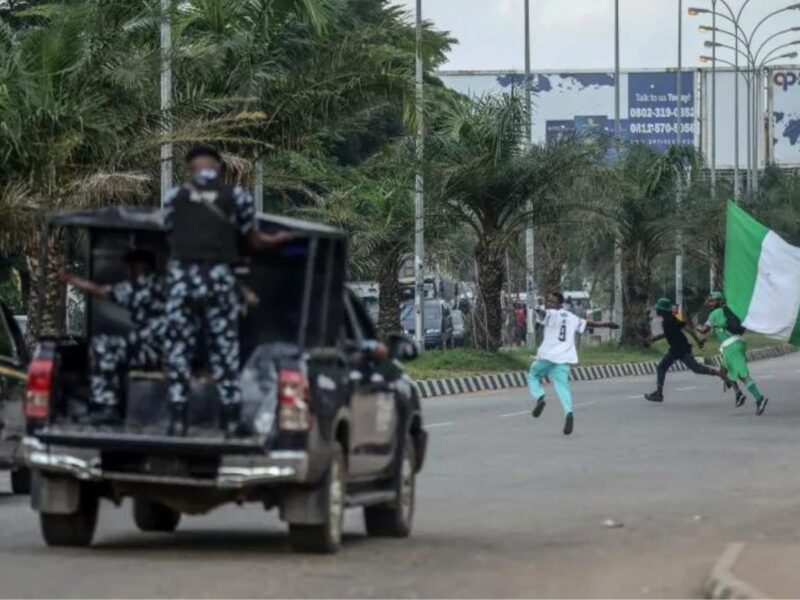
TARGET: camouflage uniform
(204,297)
(145,299)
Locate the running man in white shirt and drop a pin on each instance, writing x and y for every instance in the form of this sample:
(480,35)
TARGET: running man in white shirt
(556,355)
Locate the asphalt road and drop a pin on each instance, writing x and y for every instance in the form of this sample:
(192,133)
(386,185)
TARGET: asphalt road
(507,507)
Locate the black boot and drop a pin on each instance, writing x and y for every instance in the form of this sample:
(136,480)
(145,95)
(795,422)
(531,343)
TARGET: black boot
(229,419)
(178,419)
(656,396)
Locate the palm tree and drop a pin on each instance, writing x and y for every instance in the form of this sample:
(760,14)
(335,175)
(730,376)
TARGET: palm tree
(485,176)
(641,207)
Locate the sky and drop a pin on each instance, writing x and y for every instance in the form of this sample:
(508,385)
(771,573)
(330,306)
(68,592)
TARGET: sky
(579,34)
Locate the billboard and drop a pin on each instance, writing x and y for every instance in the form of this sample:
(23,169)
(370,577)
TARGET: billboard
(726,119)
(581,101)
(784,91)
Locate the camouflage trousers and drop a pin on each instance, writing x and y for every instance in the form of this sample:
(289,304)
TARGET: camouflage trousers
(111,355)
(202,299)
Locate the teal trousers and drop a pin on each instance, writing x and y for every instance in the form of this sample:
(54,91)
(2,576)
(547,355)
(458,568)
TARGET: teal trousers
(559,375)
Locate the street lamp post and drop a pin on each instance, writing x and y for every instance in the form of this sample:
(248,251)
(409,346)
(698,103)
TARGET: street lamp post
(419,194)
(679,191)
(530,239)
(619,307)
(752,76)
(713,270)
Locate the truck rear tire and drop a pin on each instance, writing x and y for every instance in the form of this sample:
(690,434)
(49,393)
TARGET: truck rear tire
(21,481)
(327,537)
(395,519)
(154,516)
(77,529)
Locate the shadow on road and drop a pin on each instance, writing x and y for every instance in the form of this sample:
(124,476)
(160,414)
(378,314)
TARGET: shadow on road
(201,541)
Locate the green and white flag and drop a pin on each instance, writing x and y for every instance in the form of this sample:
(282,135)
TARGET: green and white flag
(762,277)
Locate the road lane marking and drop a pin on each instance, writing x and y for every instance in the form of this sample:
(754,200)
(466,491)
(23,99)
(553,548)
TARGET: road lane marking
(639,397)
(440,424)
(766,376)
(586,404)
(687,389)
(516,414)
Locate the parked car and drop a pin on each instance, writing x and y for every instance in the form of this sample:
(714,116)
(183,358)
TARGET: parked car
(13,367)
(438,323)
(459,328)
(330,420)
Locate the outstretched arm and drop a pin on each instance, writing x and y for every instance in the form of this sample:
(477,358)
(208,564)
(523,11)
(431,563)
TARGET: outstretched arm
(703,329)
(89,287)
(601,324)
(700,342)
(259,240)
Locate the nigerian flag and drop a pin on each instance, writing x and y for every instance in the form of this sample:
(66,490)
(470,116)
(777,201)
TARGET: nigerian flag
(762,277)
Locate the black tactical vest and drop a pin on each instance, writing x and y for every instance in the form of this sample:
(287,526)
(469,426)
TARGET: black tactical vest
(204,224)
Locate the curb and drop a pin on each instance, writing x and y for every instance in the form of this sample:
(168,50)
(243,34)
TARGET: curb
(723,584)
(432,388)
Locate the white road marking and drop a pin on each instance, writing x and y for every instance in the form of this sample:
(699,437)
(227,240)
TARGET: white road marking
(766,376)
(639,397)
(687,389)
(586,404)
(516,414)
(440,424)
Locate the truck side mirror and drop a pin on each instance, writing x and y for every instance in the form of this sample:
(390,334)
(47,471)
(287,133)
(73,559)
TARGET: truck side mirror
(402,347)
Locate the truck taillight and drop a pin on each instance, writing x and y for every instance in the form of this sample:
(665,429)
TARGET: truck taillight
(39,389)
(293,399)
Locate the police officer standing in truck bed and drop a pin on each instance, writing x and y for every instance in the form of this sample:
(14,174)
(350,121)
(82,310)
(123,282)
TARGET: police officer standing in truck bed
(205,220)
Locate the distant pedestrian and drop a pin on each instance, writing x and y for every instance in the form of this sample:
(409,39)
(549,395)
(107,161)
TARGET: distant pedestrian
(728,329)
(557,354)
(679,348)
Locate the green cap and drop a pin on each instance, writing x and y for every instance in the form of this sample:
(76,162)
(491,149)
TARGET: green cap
(664,304)
(718,296)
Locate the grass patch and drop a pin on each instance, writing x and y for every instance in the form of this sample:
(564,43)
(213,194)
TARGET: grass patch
(438,364)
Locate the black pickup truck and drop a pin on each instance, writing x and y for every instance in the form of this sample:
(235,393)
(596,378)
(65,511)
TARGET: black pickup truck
(330,420)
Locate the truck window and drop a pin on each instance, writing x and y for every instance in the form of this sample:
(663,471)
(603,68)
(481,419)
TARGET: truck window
(363,321)
(8,348)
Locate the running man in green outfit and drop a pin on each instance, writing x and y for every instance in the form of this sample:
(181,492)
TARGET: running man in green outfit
(729,330)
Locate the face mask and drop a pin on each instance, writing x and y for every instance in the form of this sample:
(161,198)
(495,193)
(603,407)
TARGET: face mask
(207,174)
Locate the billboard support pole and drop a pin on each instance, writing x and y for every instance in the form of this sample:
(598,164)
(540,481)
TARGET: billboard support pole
(618,315)
(530,239)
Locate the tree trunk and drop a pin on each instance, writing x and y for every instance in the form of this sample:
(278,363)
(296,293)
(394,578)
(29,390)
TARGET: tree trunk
(389,284)
(489,310)
(552,263)
(637,281)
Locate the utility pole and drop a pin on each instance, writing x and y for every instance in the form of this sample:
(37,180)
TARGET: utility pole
(419,196)
(258,186)
(530,239)
(619,307)
(166,96)
(679,244)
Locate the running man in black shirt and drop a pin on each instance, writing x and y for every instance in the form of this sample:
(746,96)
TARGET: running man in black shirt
(679,349)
